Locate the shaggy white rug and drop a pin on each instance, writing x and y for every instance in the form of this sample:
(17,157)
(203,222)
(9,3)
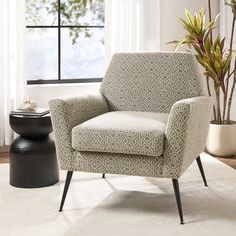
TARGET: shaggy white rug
(122,205)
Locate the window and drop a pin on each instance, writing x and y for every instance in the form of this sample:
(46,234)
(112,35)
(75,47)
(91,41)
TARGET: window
(64,41)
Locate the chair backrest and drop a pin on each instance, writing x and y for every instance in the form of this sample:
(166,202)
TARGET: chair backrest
(150,82)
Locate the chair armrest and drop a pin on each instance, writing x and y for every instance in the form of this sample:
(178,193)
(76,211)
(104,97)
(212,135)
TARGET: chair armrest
(66,113)
(186,134)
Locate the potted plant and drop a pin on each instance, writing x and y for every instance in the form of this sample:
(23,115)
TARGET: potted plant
(220,74)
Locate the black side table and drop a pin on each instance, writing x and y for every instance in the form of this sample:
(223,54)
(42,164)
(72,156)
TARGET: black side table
(33,162)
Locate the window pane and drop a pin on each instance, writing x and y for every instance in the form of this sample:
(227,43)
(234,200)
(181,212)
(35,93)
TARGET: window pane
(83,56)
(82,12)
(41,12)
(41,54)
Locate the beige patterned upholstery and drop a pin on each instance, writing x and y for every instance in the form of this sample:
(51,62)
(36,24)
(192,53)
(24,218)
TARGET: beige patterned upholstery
(66,113)
(186,133)
(145,82)
(140,133)
(150,81)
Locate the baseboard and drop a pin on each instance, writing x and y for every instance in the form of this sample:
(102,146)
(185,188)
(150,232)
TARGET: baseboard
(4,149)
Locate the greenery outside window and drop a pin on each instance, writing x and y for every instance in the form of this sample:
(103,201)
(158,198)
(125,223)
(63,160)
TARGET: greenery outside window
(64,41)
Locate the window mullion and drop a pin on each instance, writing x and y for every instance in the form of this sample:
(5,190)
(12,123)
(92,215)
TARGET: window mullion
(59,39)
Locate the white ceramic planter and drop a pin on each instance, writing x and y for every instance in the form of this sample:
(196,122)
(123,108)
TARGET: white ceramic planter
(221,140)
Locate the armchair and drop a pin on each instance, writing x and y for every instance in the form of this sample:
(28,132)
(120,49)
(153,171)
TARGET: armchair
(150,118)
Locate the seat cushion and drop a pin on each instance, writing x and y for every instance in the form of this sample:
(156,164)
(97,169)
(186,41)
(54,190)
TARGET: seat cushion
(139,133)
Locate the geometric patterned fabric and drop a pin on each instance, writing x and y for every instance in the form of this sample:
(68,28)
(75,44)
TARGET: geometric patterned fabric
(150,82)
(125,132)
(138,82)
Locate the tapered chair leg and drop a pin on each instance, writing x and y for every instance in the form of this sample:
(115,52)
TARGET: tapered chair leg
(103,176)
(67,183)
(178,199)
(201,170)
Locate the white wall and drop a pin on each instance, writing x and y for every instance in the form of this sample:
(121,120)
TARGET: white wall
(170,30)
(225,31)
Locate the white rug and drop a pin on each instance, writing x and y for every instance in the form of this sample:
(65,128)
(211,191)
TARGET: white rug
(121,205)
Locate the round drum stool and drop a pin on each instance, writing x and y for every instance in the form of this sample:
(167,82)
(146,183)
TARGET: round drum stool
(33,161)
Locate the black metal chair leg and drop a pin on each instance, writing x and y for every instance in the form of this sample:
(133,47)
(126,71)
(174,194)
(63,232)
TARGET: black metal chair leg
(201,170)
(103,176)
(67,183)
(178,199)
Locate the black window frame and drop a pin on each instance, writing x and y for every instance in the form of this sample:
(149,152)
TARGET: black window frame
(59,80)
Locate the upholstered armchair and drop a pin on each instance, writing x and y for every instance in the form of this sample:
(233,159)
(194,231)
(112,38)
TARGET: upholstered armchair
(150,118)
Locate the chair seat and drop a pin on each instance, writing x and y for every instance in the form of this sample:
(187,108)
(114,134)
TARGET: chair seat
(140,133)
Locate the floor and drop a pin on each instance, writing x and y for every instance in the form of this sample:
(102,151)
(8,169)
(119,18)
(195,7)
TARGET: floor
(230,161)
(4,157)
(123,205)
